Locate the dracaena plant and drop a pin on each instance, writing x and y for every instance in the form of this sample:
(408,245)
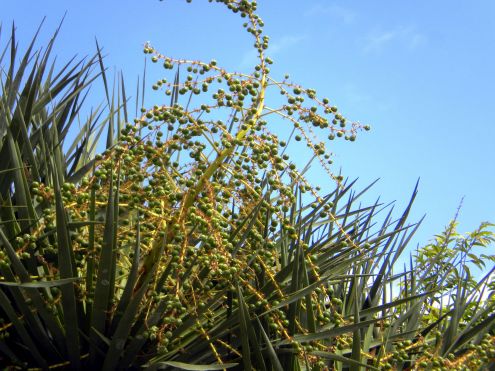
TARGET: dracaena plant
(194,241)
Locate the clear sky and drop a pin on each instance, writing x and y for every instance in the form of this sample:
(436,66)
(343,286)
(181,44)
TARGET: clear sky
(421,73)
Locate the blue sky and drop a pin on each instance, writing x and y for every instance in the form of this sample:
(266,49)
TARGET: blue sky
(420,73)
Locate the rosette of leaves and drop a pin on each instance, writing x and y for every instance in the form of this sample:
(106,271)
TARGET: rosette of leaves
(194,241)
